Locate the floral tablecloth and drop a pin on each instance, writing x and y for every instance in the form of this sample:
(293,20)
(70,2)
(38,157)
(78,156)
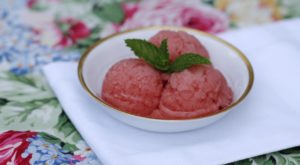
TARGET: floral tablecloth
(33,126)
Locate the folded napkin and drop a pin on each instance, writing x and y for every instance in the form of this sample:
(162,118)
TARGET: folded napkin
(268,120)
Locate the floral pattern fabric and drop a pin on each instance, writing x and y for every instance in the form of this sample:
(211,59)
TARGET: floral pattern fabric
(33,126)
(40,148)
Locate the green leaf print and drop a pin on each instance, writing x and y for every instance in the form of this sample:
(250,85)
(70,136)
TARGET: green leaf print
(34,114)
(111,12)
(261,160)
(3,101)
(65,126)
(279,158)
(54,140)
(27,103)
(242,162)
(284,157)
(23,88)
(39,7)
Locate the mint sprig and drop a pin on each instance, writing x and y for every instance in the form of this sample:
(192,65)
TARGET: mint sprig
(187,60)
(150,53)
(158,57)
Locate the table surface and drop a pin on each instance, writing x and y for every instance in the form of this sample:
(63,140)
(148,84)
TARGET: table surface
(33,126)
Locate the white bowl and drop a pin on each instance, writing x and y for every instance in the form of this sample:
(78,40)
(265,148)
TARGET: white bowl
(101,56)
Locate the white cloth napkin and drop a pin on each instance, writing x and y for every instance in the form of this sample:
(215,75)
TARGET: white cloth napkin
(268,120)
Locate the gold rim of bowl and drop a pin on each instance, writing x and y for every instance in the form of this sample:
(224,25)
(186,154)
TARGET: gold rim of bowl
(239,53)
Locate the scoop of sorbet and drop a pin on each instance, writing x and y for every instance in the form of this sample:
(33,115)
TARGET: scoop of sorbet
(179,43)
(195,92)
(133,86)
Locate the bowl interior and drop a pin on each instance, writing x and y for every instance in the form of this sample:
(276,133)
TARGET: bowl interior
(107,52)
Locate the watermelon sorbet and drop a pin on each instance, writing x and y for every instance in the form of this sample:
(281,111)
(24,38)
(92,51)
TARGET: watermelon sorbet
(194,92)
(135,87)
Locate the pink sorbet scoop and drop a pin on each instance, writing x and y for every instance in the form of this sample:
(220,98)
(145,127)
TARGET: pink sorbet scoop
(179,43)
(133,86)
(195,92)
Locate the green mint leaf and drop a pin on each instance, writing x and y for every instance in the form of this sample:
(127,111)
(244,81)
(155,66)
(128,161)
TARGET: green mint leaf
(164,49)
(150,53)
(111,12)
(187,60)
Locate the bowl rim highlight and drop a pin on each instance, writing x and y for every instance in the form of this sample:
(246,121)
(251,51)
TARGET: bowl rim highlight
(236,50)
